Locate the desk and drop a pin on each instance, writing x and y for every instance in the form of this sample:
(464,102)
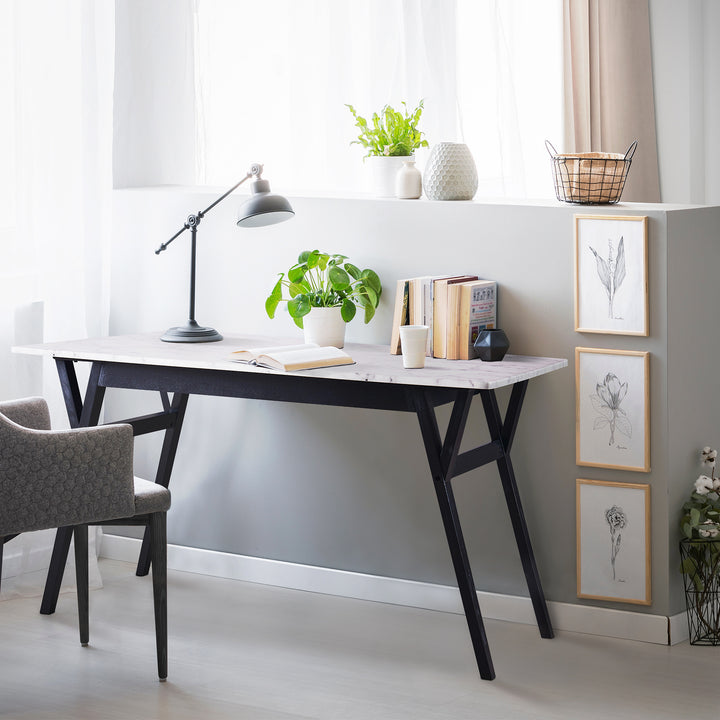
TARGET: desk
(377,381)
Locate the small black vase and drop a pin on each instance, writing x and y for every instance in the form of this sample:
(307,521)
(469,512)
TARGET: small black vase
(491,345)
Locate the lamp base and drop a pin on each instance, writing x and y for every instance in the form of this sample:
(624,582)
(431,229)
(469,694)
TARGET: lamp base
(191,333)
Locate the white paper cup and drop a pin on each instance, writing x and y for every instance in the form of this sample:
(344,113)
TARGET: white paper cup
(413,340)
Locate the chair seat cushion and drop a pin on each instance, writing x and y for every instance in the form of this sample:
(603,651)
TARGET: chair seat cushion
(150,497)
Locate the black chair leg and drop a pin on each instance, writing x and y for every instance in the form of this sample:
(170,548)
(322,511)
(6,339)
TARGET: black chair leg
(158,555)
(2,545)
(80,535)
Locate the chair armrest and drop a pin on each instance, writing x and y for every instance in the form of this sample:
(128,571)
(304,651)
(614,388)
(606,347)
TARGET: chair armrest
(29,412)
(69,477)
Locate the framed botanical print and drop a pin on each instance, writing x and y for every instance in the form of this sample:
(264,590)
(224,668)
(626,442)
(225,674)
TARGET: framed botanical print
(612,396)
(611,269)
(613,541)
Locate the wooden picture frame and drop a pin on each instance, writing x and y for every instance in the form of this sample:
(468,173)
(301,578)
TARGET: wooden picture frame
(611,274)
(612,399)
(613,541)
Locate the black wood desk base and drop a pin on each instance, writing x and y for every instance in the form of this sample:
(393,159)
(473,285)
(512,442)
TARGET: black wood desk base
(444,458)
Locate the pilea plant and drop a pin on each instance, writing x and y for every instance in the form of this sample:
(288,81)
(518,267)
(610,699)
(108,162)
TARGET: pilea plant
(390,132)
(322,280)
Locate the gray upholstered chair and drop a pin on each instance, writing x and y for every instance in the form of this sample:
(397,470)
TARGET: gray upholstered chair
(73,478)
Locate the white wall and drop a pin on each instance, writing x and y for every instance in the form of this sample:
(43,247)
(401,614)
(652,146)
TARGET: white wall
(350,489)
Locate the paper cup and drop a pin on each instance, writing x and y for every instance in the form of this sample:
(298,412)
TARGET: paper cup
(413,340)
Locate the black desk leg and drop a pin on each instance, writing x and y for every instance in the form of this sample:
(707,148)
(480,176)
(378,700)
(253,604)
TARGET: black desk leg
(165,466)
(504,433)
(441,457)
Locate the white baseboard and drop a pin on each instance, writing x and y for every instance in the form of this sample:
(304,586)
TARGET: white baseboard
(565,616)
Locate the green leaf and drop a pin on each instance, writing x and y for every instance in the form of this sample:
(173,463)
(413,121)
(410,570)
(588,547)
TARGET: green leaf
(313,259)
(274,298)
(688,566)
(370,278)
(353,271)
(694,516)
(339,279)
(348,310)
(299,306)
(297,273)
(369,313)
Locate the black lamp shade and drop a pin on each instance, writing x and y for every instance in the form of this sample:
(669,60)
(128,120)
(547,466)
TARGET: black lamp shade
(264,209)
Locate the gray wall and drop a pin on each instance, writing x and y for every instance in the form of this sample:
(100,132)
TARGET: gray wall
(350,489)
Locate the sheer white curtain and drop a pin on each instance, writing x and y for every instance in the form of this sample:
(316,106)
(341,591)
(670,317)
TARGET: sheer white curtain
(272,80)
(55,203)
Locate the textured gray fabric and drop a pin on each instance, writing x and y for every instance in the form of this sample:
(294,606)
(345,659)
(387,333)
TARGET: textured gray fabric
(150,497)
(31,413)
(69,477)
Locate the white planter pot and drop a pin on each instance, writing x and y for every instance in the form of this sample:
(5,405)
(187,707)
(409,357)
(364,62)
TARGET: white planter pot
(384,170)
(450,173)
(324,326)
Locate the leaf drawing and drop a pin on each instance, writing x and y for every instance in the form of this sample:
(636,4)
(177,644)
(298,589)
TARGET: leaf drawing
(606,403)
(611,272)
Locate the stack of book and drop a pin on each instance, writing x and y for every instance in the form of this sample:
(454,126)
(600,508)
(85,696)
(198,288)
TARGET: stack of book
(454,307)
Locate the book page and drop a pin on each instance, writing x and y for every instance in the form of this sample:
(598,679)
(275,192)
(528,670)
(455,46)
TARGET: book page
(304,359)
(251,354)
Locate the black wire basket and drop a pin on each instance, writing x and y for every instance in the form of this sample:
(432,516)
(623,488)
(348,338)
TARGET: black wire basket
(700,565)
(592,178)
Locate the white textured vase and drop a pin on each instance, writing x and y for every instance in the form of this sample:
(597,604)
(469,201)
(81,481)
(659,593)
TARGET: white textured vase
(450,173)
(408,181)
(324,326)
(384,170)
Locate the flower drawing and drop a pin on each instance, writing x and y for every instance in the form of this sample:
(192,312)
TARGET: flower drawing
(606,401)
(611,272)
(617,520)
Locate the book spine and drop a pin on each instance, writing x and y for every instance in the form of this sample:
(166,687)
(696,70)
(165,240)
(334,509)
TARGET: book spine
(400,314)
(452,342)
(439,310)
(478,311)
(428,314)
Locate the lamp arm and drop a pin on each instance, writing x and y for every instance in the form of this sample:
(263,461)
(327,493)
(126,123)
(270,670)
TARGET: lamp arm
(194,220)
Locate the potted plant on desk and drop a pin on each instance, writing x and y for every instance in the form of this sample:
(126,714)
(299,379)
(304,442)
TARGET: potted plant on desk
(324,294)
(390,139)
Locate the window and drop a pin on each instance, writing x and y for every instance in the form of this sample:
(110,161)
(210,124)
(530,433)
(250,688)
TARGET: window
(270,82)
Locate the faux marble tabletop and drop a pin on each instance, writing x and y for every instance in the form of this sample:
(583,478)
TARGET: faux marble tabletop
(373,363)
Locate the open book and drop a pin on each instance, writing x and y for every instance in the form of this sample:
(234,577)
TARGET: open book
(293,357)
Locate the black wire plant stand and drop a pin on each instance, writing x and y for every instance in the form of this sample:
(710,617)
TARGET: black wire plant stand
(593,178)
(700,565)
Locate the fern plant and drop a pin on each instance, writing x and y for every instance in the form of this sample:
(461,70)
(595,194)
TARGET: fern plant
(390,133)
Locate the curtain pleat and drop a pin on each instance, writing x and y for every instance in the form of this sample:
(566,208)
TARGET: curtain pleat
(608,86)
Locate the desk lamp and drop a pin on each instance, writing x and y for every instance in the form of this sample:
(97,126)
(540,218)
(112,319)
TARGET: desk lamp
(261,208)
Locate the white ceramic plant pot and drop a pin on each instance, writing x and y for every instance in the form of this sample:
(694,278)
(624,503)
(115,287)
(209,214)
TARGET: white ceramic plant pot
(324,326)
(384,170)
(450,173)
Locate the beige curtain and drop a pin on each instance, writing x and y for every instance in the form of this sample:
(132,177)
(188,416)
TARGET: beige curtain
(608,88)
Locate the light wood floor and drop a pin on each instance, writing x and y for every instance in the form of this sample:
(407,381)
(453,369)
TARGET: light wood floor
(245,651)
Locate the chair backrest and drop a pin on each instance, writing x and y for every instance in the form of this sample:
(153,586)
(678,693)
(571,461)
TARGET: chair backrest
(52,479)
(29,412)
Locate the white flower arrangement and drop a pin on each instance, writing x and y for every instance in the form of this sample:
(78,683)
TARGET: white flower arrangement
(701,513)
